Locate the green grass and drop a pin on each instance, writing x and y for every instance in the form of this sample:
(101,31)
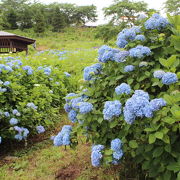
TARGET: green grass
(45,161)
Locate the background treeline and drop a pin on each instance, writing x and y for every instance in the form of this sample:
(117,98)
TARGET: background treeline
(22,14)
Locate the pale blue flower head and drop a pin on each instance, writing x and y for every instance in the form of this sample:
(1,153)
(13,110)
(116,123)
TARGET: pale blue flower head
(123,88)
(169,78)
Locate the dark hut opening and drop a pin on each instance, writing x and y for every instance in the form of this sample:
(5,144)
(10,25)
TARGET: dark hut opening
(13,43)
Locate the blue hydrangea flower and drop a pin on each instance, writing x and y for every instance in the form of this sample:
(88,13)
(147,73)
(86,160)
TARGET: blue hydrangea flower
(116,144)
(96,155)
(85,107)
(111,109)
(40,129)
(169,78)
(7,114)
(107,54)
(13,121)
(67,74)
(156,104)
(63,137)
(121,56)
(129,117)
(156,22)
(123,88)
(31,105)
(118,155)
(143,64)
(16,112)
(158,74)
(22,133)
(75,102)
(127,35)
(68,97)
(139,51)
(47,71)
(0,139)
(67,108)
(129,68)
(3,89)
(141,93)
(140,37)
(66,139)
(92,70)
(6,83)
(72,115)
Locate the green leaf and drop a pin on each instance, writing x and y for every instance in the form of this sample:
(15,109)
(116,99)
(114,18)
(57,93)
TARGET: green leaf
(100,120)
(113,124)
(152,138)
(159,135)
(169,120)
(174,167)
(108,152)
(158,151)
(133,144)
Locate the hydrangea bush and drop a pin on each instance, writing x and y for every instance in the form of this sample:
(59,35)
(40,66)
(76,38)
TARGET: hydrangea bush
(30,98)
(134,95)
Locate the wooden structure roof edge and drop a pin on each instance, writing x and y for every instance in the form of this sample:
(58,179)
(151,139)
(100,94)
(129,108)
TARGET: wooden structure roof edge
(7,35)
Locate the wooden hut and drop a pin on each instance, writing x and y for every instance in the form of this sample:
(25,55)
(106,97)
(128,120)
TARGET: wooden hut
(13,43)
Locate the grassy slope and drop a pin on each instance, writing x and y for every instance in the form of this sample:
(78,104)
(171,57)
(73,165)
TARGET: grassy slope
(42,160)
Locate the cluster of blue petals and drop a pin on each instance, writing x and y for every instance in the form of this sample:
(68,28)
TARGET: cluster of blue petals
(67,74)
(158,74)
(169,78)
(123,88)
(28,69)
(40,129)
(111,109)
(127,35)
(13,121)
(64,136)
(139,51)
(140,106)
(96,155)
(22,133)
(85,107)
(90,71)
(31,105)
(116,146)
(129,68)
(156,22)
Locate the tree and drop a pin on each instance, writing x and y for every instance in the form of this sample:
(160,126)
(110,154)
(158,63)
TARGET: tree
(172,7)
(58,20)
(84,14)
(40,25)
(125,11)
(26,18)
(11,19)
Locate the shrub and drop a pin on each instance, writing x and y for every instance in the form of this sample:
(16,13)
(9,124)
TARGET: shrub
(30,98)
(146,119)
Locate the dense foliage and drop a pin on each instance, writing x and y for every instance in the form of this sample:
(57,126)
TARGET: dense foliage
(31,97)
(129,104)
(24,14)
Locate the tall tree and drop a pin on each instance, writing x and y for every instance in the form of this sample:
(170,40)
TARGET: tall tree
(40,25)
(84,14)
(58,20)
(125,10)
(172,7)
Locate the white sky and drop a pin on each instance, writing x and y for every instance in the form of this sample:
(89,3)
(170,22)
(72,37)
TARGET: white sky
(156,4)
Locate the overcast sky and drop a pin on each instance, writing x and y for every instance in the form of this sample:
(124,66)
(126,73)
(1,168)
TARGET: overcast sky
(156,4)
